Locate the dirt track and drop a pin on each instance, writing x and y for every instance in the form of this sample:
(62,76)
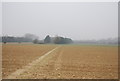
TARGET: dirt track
(16,56)
(83,62)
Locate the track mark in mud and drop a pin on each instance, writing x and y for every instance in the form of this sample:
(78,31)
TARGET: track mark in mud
(58,62)
(20,71)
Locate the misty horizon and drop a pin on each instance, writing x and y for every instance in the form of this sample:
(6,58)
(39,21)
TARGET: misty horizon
(78,21)
(115,38)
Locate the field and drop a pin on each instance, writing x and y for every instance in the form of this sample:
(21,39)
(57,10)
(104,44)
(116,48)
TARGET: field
(15,56)
(30,61)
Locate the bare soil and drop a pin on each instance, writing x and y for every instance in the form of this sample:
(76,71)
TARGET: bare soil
(65,62)
(15,56)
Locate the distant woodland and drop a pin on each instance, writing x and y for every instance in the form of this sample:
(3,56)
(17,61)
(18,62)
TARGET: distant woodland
(35,40)
(55,40)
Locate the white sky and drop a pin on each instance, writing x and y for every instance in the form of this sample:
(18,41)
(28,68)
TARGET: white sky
(77,20)
(0,19)
(60,0)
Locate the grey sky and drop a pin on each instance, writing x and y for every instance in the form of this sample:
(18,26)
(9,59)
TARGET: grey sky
(88,20)
(0,19)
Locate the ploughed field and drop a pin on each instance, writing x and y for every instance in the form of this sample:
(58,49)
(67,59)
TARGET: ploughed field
(15,56)
(23,61)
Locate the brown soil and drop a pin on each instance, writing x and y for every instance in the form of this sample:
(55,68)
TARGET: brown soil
(75,62)
(15,56)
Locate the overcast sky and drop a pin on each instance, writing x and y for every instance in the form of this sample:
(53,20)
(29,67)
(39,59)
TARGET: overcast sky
(80,20)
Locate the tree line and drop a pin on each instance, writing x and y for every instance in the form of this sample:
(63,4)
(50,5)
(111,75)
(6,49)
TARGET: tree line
(35,40)
(25,38)
(54,40)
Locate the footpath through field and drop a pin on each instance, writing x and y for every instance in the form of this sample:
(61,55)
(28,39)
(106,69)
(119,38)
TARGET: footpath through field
(79,62)
(30,65)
